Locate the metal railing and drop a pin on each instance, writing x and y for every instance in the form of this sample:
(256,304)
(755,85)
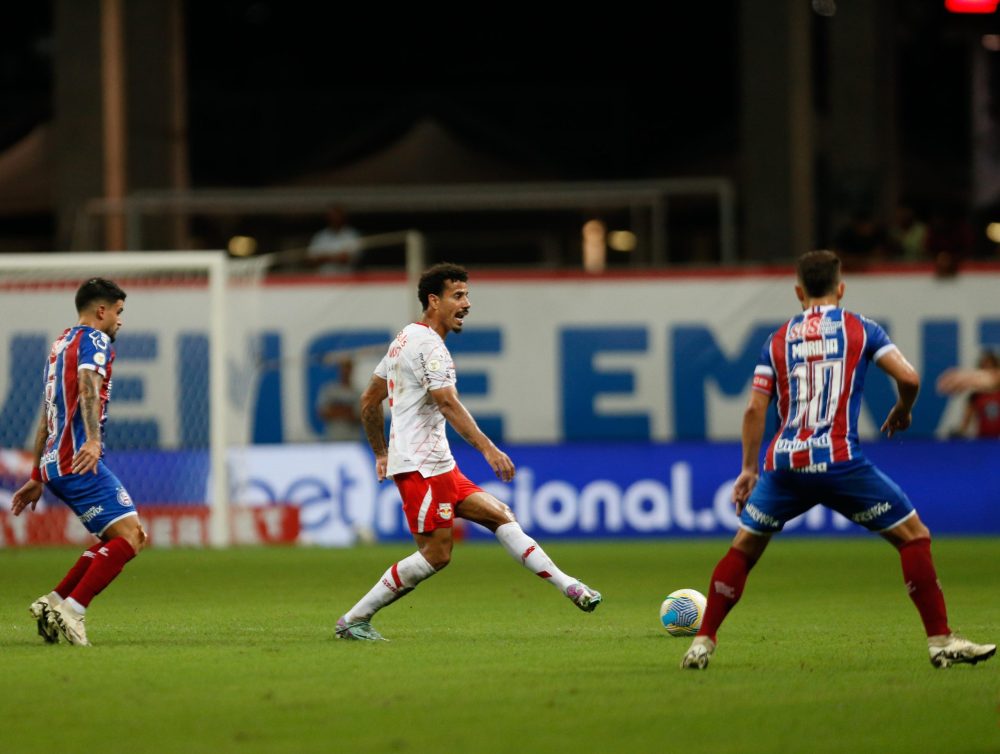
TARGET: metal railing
(648,201)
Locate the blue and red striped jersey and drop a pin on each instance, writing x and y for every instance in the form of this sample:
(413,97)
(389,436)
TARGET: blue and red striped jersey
(79,347)
(814,366)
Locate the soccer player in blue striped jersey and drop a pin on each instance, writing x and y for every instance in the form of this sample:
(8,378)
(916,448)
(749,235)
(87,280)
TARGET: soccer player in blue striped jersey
(69,446)
(814,367)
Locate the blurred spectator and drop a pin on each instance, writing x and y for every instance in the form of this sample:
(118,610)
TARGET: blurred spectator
(949,240)
(336,248)
(982,409)
(909,235)
(862,241)
(338,405)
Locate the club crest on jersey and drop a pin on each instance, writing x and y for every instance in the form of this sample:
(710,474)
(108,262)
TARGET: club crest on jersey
(124,498)
(444,511)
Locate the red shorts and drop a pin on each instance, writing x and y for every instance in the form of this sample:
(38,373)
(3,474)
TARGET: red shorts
(429,503)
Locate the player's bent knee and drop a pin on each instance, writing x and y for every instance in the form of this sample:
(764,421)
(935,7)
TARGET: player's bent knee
(909,531)
(438,561)
(131,531)
(505,515)
(142,539)
(437,554)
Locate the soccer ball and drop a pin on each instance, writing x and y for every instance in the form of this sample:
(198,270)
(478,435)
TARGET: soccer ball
(682,611)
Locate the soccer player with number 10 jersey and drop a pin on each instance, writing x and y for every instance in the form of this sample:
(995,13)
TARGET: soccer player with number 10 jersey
(814,367)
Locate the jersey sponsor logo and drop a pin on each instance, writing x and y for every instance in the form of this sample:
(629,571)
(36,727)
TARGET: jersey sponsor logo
(825,347)
(815,468)
(784,445)
(90,513)
(813,327)
(760,517)
(124,498)
(444,511)
(397,345)
(762,382)
(871,513)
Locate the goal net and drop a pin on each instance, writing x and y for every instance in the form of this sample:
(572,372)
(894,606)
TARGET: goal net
(186,366)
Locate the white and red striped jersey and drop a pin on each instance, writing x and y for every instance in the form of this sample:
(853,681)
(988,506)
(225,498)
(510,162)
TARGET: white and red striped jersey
(814,366)
(417,363)
(79,347)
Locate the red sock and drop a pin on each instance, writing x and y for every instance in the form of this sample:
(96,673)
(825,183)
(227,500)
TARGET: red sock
(728,579)
(922,584)
(73,576)
(111,558)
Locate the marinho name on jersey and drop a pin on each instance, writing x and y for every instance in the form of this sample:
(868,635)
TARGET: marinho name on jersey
(808,348)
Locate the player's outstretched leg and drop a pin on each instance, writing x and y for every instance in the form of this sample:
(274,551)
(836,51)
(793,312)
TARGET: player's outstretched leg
(399,580)
(529,553)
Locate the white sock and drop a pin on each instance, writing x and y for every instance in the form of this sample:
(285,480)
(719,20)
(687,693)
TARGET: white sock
(528,553)
(75,606)
(396,582)
(54,598)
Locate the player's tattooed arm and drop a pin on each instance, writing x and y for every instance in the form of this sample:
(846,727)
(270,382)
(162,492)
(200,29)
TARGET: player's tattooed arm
(89,453)
(373,420)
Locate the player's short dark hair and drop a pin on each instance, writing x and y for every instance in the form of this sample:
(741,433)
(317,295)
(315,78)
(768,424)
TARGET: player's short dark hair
(819,272)
(98,289)
(433,280)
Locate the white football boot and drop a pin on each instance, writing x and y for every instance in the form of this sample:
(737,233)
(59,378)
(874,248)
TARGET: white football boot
(949,649)
(69,623)
(583,596)
(39,610)
(698,654)
(360,630)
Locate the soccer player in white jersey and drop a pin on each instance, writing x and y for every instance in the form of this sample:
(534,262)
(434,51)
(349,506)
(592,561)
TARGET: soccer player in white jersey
(814,368)
(417,375)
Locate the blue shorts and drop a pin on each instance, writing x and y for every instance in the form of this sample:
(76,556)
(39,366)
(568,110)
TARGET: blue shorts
(855,489)
(98,500)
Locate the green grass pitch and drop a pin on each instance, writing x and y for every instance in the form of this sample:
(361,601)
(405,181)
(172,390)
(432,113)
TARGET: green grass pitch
(216,651)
